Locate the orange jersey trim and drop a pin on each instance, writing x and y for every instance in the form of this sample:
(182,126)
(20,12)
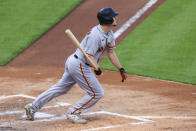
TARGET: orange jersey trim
(111,46)
(89,54)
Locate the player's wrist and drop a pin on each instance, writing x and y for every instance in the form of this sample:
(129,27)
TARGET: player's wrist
(120,67)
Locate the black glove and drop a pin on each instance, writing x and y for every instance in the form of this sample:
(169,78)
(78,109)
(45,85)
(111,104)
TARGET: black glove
(98,72)
(123,74)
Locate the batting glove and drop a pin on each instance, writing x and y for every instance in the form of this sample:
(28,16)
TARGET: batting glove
(98,72)
(123,74)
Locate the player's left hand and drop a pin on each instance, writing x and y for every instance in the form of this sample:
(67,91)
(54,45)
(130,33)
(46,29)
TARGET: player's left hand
(98,72)
(123,74)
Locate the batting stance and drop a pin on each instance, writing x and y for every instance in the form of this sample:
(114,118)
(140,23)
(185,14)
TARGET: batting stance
(78,70)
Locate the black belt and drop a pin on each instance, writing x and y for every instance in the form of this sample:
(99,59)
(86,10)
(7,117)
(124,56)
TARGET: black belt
(77,58)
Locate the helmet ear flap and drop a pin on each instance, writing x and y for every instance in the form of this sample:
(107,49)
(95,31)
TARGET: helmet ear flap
(109,20)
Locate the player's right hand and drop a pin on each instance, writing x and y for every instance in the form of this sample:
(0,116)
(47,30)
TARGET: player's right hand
(98,72)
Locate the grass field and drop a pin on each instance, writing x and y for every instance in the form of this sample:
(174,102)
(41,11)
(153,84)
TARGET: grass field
(23,21)
(164,45)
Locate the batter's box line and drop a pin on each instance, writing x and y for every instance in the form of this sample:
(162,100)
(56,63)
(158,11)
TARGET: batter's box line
(58,104)
(143,121)
(119,115)
(17,95)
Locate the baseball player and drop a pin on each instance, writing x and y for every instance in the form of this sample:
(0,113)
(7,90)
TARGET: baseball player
(77,69)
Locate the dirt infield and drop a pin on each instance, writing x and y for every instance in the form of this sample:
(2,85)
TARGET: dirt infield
(139,104)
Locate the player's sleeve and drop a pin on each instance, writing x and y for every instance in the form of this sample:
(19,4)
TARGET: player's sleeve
(92,45)
(111,41)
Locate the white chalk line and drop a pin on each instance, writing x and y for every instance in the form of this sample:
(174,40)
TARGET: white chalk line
(119,115)
(11,112)
(193,93)
(144,119)
(59,104)
(128,23)
(105,127)
(92,113)
(169,117)
(50,117)
(36,121)
(18,95)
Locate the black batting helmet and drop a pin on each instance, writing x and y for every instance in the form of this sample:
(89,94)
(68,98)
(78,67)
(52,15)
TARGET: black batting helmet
(105,15)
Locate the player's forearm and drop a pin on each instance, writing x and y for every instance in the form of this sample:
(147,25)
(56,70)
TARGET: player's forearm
(114,59)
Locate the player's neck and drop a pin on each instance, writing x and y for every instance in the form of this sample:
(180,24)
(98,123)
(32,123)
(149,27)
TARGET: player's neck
(106,28)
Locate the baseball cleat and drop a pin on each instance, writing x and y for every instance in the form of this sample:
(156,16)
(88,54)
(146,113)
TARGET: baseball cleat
(29,112)
(76,118)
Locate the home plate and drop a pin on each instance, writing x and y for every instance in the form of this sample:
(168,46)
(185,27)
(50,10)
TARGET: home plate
(41,115)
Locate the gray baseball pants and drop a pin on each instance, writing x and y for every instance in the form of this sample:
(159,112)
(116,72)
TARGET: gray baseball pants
(78,72)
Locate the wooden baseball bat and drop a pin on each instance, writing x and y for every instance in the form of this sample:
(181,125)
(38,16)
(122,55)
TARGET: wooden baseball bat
(77,44)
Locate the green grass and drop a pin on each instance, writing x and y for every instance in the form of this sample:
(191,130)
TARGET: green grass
(164,45)
(23,21)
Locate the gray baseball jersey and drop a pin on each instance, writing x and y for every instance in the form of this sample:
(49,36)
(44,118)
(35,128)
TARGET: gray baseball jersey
(96,42)
(77,71)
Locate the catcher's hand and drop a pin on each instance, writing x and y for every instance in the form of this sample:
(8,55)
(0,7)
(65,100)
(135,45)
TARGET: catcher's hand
(123,74)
